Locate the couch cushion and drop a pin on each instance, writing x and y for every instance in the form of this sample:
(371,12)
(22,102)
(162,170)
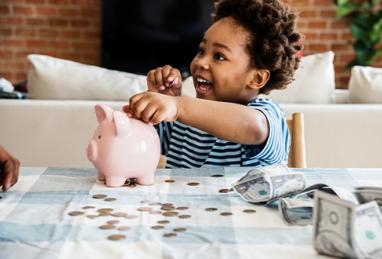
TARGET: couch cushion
(54,78)
(314,81)
(365,85)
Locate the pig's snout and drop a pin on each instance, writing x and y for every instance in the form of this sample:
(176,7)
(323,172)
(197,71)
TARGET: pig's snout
(92,151)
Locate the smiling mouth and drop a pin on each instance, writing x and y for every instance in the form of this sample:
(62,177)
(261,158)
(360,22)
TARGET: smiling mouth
(202,85)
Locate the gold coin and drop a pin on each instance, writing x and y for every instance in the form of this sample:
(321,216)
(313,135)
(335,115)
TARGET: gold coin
(108,226)
(116,237)
(224,190)
(211,209)
(105,210)
(157,227)
(169,181)
(88,207)
(92,216)
(193,183)
(123,228)
(99,196)
(170,213)
(76,213)
(111,222)
(184,216)
(179,229)
(226,213)
(249,211)
(167,208)
(144,209)
(110,199)
(217,175)
(163,221)
(182,208)
(119,214)
(169,234)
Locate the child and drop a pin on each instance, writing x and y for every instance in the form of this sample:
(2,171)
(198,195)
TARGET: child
(9,169)
(250,49)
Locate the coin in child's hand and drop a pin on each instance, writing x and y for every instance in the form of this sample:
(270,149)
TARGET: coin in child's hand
(217,175)
(116,237)
(226,213)
(88,207)
(224,190)
(157,227)
(249,211)
(163,221)
(108,226)
(184,216)
(169,181)
(169,234)
(170,213)
(179,229)
(193,183)
(99,196)
(76,213)
(211,209)
(110,199)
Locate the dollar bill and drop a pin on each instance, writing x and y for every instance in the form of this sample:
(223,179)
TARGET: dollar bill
(264,184)
(296,211)
(365,194)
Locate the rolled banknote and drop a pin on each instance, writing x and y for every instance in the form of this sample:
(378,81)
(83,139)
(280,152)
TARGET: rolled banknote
(345,229)
(264,184)
(365,194)
(296,211)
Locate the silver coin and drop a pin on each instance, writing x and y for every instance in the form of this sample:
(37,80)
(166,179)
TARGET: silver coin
(163,221)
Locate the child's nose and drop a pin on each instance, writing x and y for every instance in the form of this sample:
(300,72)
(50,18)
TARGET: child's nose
(203,63)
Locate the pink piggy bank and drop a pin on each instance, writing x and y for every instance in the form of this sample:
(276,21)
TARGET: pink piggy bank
(123,148)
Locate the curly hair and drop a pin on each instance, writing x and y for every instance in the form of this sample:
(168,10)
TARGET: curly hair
(273,43)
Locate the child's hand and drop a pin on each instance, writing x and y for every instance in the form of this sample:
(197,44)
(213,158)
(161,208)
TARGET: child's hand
(152,107)
(9,169)
(166,80)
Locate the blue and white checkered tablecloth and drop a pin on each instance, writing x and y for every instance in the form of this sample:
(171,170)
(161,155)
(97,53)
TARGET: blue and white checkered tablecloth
(34,220)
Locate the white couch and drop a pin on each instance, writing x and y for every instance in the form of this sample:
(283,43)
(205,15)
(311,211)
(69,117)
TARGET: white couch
(46,132)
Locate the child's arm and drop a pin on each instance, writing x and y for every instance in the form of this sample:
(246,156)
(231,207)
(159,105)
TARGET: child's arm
(233,122)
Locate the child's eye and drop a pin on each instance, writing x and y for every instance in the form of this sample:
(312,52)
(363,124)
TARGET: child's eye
(219,56)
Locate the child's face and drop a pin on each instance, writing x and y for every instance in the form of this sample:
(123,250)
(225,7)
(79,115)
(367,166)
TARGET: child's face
(220,69)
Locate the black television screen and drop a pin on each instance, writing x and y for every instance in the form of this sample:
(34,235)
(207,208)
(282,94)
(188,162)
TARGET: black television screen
(138,36)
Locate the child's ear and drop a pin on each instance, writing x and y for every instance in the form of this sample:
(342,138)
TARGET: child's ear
(258,78)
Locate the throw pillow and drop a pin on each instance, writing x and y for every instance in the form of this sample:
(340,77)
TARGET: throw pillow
(54,78)
(365,85)
(314,81)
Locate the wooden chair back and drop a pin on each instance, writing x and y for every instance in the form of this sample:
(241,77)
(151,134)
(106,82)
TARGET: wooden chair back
(297,157)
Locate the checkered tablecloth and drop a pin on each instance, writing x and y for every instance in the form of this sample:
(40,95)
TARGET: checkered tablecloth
(34,220)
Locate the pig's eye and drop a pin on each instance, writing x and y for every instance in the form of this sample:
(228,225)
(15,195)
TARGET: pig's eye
(99,136)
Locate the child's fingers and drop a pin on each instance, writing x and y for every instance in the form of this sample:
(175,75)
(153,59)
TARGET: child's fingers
(151,81)
(158,78)
(147,113)
(11,173)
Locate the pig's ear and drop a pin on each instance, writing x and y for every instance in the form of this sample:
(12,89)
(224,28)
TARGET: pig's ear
(121,122)
(103,112)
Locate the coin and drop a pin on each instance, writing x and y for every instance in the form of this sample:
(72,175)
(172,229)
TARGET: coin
(144,209)
(182,208)
(110,199)
(88,207)
(224,190)
(108,226)
(193,183)
(123,228)
(249,211)
(169,234)
(157,227)
(116,237)
(76,213)
(99,196)
(92,216)
(167,208)
(184,216)
(119,214)
(217,175)
(105,210)
(179,229)
(163,221)
(111,222)
(210,209)
(170,213)
(169,181)
(226,213)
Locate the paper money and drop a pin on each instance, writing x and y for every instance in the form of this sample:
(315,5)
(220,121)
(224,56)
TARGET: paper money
(296,211)
(264,184)
(345,229)
(365,194)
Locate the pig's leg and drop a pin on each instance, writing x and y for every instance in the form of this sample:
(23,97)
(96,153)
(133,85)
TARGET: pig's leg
(115,181)
(147,179)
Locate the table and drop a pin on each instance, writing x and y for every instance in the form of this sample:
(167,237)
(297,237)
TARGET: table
(35,220)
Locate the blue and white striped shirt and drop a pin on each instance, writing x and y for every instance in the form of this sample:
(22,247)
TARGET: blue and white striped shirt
(187,147)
